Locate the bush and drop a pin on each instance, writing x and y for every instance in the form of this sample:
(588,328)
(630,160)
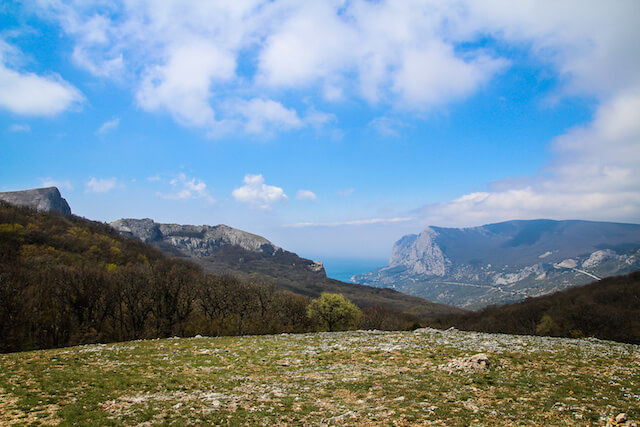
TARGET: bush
(333,312)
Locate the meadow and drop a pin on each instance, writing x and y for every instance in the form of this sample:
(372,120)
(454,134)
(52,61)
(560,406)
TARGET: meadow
(356,377)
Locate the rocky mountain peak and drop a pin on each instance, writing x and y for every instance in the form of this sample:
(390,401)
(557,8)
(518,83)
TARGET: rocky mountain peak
(198,240)
(43,199)
(420,253)
(508,261)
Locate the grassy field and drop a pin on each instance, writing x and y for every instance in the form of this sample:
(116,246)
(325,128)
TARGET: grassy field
(363,378)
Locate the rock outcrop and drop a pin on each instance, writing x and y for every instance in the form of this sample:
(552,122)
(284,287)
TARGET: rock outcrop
(196,240)
(43,199)
(206,243)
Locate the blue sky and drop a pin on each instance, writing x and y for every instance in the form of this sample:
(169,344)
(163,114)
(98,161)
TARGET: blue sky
(331,128)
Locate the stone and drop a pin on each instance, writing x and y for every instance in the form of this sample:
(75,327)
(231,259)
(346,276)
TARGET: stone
(42,199)
(478,361)
(621,418)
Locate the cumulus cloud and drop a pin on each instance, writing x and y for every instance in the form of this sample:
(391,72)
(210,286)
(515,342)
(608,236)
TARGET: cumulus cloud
(306,195)
(594,175)
(62,185)
(407,56)
(257,193)
(182,84)
(108,126)
(184,60)
(262,115)
(30,94)
(185,188)
(100,185)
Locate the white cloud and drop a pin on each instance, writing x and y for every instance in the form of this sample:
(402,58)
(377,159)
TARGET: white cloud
(183,59)
(306,195)
(100,185)
(30,94)
(62,185)
(257,193)
(185,188)
(266,115)
(434,75)
(108,126)
(19,128)
(182,84)
(594,175)
(357,222)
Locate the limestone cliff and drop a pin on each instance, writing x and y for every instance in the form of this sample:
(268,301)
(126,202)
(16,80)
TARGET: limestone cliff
(43,199)
(206,241)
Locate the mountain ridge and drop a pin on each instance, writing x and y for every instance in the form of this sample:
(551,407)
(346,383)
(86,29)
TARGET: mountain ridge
(507,261)
(215,249)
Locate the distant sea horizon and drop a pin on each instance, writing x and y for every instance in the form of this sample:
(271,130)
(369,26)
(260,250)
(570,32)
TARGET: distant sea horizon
(344,268)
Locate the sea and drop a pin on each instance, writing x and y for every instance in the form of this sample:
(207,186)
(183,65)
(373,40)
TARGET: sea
(344,268)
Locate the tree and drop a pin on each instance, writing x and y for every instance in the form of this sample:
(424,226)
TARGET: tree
(333,312)
(547,326)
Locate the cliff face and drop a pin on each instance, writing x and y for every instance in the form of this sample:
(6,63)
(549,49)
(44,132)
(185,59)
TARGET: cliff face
(43,199)
(420,254)
(197,240)
(202,242)
(507,262)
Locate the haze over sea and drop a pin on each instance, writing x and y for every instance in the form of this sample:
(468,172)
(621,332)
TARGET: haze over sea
(345,268)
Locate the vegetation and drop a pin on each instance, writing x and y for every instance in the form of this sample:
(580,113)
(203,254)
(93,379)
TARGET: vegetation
(65,280)
(606,309)
(341,378)
(333,312)
(288,271)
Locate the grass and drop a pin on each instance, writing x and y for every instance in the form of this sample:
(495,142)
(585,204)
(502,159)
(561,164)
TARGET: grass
(365,378)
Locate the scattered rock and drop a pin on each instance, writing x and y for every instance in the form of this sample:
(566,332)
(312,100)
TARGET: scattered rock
(621,418)
(478,361)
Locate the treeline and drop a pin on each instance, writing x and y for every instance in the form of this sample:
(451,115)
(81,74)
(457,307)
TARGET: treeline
(67,281)
(607,309)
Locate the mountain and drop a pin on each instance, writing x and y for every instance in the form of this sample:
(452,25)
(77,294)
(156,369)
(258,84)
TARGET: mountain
(42,199)
(608,309)
(224,250)
(508,261)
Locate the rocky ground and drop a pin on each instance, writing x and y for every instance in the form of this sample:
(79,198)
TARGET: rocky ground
(424,377)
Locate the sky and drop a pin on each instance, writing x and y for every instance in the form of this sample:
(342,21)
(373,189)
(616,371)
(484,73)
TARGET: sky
(332,128)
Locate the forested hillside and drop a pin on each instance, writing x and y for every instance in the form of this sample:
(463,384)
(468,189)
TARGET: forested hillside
(66,280)
(607,309)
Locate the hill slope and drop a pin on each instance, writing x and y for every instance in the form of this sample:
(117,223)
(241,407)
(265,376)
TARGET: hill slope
(606,309)
(224,250)
(506,262)
(367,378)
(65,280)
